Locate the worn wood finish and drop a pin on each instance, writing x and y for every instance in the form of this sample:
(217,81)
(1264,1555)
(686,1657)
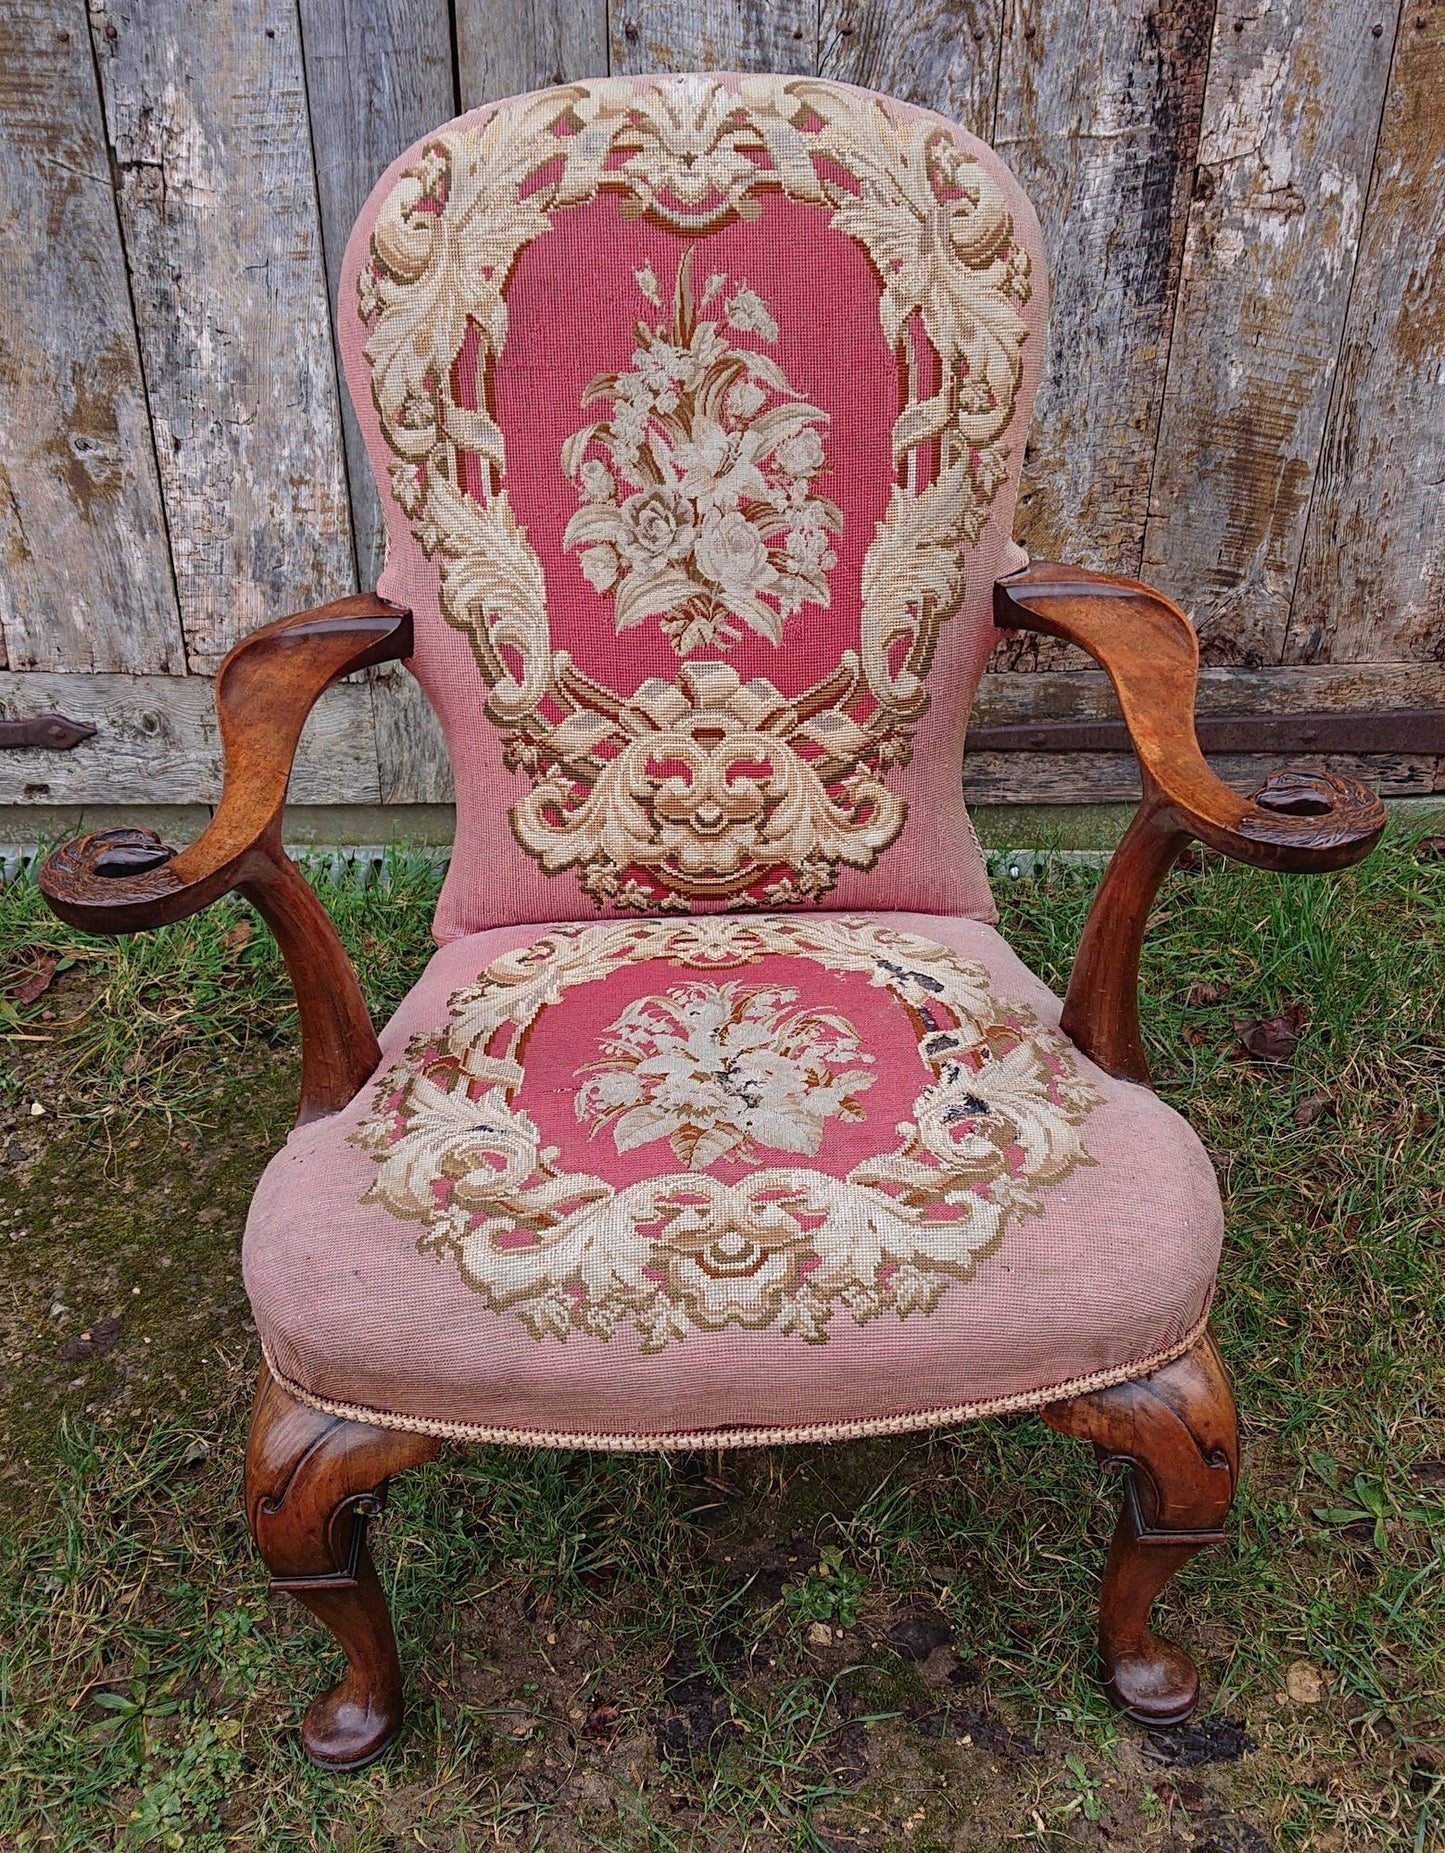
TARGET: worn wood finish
(206,111)
(240,145)
(940,54)
(378,76)
(157,741)
(1302,821)
(1098,115)
(505,47)
(85,581)
(714,35)
(411,749)
(1113,778)
(1291,120)
(1372,580)
(1175,1436)
(313,1482)
(124,881)
(1326,688)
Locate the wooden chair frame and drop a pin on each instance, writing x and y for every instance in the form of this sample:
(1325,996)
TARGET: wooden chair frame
(313,1480)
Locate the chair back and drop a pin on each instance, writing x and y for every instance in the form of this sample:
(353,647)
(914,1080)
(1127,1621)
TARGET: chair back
(697,406)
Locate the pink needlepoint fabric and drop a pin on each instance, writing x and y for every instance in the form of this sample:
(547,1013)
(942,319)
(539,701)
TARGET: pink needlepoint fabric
(734,1178)
(697,406)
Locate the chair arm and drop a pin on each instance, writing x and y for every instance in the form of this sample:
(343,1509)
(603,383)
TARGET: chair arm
(1296,820)
(126,881)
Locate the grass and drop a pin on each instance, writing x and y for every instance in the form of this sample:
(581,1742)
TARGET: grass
(625,1652)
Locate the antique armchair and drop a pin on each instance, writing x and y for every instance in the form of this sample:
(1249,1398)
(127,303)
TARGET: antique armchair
(722,1114)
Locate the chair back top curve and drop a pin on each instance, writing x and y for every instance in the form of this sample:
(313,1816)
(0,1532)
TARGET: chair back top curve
(697,407)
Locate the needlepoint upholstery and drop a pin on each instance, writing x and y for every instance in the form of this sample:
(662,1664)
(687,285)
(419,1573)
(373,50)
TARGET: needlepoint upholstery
(729,1178)
(697,406)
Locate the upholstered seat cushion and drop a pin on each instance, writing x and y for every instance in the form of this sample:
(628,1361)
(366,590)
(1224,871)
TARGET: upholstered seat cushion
(736,1178)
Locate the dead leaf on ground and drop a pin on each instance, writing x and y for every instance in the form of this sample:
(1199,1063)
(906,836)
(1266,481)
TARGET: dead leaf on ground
(1308,1110)
(1430,849)
(1272,1039)
(1305,1682)
(237,936)
(1206,991)
(37,982)
(94,1342)
(603,1724)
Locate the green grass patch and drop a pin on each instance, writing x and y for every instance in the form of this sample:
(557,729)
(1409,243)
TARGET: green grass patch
(629,1652)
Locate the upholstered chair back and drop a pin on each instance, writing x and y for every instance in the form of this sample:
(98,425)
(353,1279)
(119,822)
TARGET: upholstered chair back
(697,406)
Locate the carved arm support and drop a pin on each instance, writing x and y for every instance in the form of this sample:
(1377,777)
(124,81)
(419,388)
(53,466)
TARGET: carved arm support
(125,881)
(1297,820)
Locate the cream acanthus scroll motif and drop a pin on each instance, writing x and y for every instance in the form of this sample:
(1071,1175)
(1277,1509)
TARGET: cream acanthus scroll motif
(647,793)
(723,1065)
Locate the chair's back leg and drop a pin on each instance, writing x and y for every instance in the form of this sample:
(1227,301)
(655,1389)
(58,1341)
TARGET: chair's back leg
(312,1482)
(1176,1436)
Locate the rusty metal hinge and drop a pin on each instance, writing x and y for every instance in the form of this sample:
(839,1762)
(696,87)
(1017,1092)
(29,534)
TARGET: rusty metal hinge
(56,733)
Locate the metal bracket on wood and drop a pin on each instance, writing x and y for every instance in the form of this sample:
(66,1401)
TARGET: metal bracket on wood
(56,733)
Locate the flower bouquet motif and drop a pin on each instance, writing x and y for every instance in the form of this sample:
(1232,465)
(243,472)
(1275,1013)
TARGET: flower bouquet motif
(718,1070)
(705,514)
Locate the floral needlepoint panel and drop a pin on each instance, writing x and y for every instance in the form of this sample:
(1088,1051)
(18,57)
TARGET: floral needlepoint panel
(682,1126)
(762,1175)
(698,405)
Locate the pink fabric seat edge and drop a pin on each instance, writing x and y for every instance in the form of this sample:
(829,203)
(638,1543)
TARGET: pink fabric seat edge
(1111,1280)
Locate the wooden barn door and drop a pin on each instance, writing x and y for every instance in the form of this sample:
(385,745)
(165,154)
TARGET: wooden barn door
(1244,209)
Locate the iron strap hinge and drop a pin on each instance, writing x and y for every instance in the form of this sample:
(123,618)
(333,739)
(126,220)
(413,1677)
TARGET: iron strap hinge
(53,733)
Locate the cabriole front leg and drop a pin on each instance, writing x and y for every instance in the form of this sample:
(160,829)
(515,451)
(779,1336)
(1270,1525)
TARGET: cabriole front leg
(312,1482)
(1175,1436)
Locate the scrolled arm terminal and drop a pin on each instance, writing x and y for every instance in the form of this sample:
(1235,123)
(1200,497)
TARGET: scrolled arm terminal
(1297,820)
(126,881)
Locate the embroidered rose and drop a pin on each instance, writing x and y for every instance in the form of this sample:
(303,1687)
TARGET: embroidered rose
(802,453)
(730,550)
(657,527)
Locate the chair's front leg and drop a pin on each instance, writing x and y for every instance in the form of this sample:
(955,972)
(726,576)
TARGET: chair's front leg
(312,1482)
(1176,1437)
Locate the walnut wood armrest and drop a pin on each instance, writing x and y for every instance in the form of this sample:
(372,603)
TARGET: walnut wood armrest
(125,881)
(1301,820)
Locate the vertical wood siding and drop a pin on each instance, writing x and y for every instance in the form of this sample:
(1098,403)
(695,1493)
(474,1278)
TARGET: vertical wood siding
(1244,208)
(85,580)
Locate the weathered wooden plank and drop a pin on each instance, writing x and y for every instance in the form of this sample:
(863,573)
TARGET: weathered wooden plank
(1372,580)
(941,54)
(378,76)
(714,35)
(505,47)
(1085,695)
(1291,117)
(206,111)
(156,742)
(1098,114)
(1111,778)
(411,750)
(85,581)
